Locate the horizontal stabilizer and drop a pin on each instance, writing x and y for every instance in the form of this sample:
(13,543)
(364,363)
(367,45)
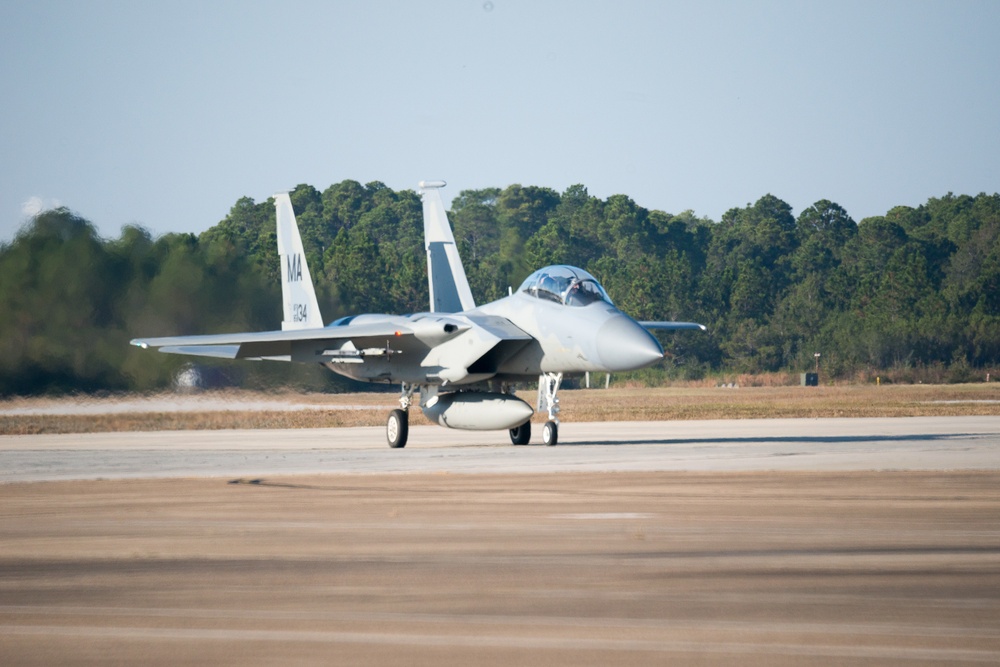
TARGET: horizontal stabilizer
(672,326)
(218,351)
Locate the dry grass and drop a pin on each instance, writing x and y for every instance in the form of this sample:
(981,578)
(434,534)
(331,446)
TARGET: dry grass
(668,404)
(179,421)
(616,404)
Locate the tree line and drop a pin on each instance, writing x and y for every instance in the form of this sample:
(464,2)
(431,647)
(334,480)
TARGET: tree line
(915,287)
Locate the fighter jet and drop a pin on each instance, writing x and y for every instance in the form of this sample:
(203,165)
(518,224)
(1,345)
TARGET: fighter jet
(463,361)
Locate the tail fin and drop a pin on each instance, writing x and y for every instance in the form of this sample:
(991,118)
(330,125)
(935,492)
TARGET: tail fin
(301,311)
(449,287)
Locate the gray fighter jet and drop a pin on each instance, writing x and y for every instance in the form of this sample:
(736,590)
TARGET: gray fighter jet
(463,360)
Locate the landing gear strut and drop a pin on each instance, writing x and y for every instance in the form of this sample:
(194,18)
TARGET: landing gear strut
(548,400)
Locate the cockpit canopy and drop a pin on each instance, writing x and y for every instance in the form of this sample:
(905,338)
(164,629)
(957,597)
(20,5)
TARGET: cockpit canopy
(567,285)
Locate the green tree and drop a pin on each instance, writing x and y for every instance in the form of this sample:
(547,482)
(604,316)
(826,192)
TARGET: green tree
(57,308)
(748,268)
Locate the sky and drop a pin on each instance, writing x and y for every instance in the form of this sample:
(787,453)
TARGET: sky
(164,114)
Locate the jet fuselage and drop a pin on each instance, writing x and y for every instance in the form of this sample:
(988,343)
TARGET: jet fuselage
(513,339)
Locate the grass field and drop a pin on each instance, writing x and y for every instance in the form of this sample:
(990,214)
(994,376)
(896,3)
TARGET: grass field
(615,404)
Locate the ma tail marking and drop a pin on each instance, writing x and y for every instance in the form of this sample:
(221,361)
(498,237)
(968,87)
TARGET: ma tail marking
(301,310)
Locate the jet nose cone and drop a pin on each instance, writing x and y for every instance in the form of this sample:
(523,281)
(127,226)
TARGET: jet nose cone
(623,345)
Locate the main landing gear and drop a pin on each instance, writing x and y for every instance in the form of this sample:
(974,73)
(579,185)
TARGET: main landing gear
(521,435)
(397,428)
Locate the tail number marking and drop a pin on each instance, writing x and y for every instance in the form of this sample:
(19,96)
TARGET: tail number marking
(300,312)
(294,264)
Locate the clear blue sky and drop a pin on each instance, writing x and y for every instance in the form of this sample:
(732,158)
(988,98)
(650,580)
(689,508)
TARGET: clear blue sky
(165,113)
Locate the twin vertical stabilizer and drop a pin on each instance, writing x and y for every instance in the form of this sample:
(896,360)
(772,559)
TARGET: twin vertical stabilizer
(449,287)
(298,296)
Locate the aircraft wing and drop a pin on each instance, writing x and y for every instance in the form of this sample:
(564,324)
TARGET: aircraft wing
(292,345)
(672,326)
(433,348)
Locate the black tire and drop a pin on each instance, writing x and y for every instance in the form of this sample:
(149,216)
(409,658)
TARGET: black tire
(397,428)
(521,435)
(550,434)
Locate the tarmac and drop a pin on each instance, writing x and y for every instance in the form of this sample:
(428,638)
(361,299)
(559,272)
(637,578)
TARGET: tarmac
(760,542)
(916,443)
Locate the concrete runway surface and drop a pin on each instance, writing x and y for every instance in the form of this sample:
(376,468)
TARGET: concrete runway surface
(773,542)
(917,443)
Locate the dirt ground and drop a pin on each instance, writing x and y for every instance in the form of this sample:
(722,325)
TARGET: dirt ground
(871,568)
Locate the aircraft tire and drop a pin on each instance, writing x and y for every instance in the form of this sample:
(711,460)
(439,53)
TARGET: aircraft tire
(550,434)
(521,435)
(397,428)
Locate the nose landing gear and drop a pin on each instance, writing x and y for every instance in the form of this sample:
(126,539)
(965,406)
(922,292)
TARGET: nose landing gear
(550,434)
(548,400)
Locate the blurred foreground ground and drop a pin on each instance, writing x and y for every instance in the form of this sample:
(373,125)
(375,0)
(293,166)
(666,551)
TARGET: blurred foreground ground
(765,568)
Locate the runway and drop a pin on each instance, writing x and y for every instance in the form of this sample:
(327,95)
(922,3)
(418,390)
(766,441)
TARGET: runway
(917,443)
(775,542)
